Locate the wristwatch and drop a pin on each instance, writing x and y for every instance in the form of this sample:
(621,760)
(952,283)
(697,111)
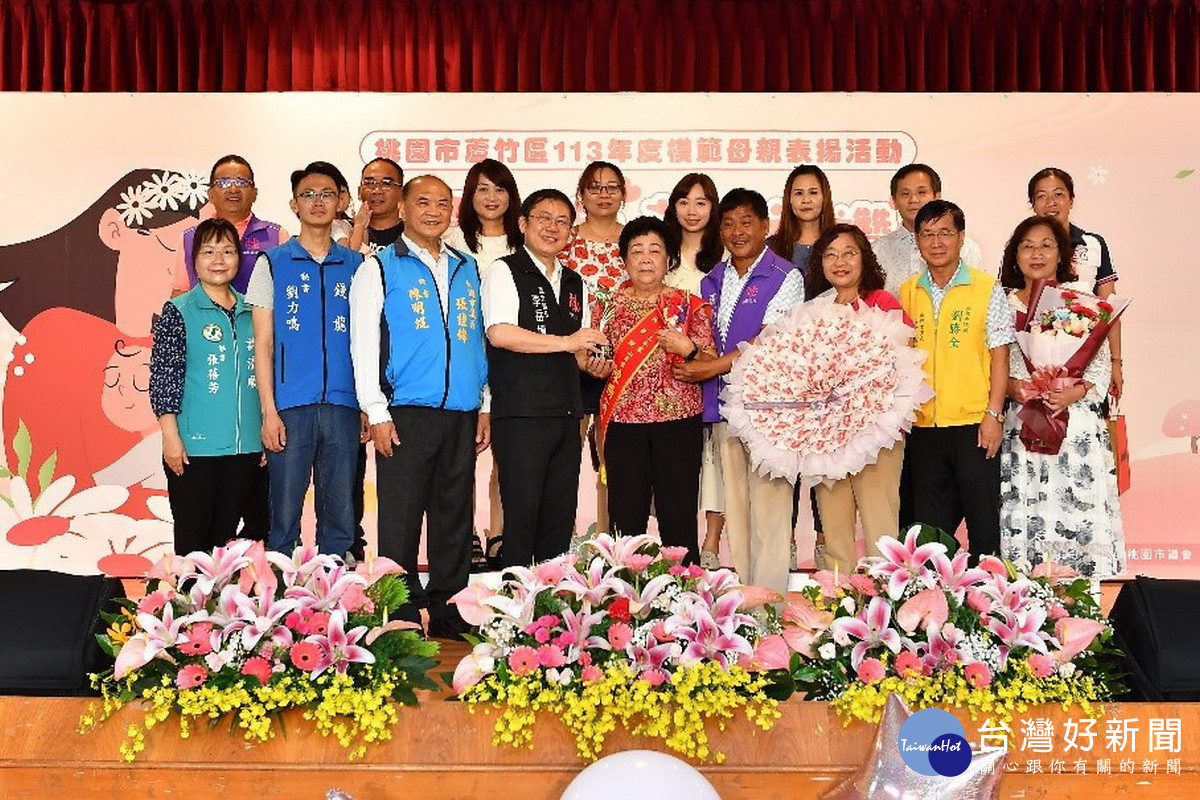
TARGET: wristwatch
(692,355)
(999,415)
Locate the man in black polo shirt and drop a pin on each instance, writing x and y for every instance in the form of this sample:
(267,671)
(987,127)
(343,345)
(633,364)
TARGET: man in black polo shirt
(537,317)
(377,223)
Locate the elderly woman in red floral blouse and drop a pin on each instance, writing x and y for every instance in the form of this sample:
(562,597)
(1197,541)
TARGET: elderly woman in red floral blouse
(650,422)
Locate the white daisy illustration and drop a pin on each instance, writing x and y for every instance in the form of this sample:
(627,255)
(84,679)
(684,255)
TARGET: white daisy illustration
(1098,175)
(136,206)
(193,189)
(167,189)
(29,522)
(109,544)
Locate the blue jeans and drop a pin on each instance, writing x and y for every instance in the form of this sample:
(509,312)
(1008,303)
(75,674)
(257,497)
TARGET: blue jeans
(322,442)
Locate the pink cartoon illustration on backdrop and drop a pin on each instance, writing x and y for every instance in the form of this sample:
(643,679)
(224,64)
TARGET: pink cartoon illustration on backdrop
(76,410)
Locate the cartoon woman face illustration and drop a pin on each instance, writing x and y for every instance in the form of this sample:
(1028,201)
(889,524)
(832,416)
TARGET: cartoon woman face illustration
(125,398)
(114,260)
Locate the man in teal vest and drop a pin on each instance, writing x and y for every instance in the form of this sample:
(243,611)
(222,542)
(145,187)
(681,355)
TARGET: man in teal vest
(417,331)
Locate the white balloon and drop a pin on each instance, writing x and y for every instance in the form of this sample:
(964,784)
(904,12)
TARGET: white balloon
(638,774)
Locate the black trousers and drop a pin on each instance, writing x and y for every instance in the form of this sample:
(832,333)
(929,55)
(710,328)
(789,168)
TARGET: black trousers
(430,476)
(659,461)
(953,480)
(208,499)
(538,463)
(256,514)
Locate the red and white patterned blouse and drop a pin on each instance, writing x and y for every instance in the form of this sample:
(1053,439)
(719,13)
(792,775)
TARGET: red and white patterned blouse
(654,394)
(598,263)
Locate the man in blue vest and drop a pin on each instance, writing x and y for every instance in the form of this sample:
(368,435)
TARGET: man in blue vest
(417,333)
(300,291)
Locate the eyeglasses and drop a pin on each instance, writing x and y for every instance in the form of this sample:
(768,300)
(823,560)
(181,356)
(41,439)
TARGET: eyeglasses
(211,252)
(602,189)
(548,221)
(310,195)
(1030,248)
(380,183)
(941,236)
(233,183)
(831,257)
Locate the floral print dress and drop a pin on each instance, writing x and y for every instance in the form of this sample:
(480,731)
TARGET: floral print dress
(1065,506)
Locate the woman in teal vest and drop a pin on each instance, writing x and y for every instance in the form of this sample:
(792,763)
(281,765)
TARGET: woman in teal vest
(203,391)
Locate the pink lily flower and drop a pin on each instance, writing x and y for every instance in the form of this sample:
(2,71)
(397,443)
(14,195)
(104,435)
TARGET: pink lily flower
(905,563)
(341,645)
(156,636)
(644,658)
(706,640)
(616,549)
(941,651)
(215,570)
(1020,628)
(872,628)
(253,617)
(955,577)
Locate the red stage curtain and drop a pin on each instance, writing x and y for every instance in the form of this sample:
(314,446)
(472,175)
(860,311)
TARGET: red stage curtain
(600,45)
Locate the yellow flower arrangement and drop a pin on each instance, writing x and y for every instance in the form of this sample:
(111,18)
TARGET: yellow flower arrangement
(357,715)
(949,688)
(677,713)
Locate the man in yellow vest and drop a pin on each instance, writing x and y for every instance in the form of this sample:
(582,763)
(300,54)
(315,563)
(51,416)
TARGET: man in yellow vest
(965,324)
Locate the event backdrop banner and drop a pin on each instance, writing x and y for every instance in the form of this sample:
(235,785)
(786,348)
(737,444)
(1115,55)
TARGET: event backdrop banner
(97,190)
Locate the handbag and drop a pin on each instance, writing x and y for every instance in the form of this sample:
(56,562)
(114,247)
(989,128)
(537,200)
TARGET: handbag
(1118,439)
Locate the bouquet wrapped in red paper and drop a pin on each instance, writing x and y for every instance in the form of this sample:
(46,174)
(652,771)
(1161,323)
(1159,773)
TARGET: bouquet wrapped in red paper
(1058,338)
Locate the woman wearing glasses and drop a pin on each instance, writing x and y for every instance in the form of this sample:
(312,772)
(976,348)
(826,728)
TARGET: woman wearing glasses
(594,253)
(844,271)
(1063,506)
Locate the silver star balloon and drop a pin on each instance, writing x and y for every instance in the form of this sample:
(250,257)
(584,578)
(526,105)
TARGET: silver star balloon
(337,794)
(885,776)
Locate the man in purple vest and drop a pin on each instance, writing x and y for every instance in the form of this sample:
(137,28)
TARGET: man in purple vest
(752,289)
(232,194)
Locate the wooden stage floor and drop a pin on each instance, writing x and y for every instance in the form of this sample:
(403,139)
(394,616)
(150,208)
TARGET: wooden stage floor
(442,752)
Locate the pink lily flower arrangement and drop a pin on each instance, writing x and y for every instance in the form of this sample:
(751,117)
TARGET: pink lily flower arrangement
(918,616)
(243,620)
(624,600)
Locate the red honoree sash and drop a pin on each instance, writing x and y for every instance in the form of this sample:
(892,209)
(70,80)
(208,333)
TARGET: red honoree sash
(674,310)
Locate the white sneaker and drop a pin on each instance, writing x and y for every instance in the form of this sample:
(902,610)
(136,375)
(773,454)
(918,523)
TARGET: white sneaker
(819,556)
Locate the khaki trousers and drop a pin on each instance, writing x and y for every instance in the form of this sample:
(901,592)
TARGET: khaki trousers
(873,495)
(758,516)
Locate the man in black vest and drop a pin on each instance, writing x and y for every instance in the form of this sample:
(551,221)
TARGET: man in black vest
(537,317)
